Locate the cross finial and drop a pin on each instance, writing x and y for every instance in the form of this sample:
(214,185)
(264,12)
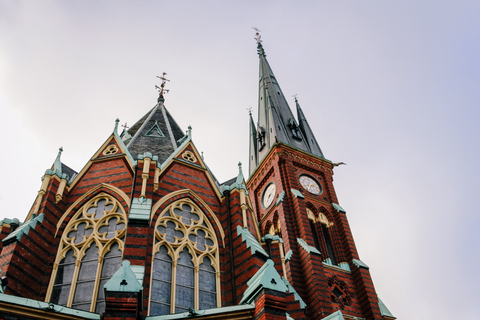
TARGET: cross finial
(162,89)
(295,97)
(249,109)
(258,37)
(125,127)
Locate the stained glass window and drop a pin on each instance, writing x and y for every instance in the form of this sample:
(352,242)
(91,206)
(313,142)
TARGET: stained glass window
(184,271)
(96,230)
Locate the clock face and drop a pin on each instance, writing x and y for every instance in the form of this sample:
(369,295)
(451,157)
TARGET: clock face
(268,195)
(309,184)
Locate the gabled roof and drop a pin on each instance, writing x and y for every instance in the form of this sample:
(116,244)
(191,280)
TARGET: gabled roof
(156,132)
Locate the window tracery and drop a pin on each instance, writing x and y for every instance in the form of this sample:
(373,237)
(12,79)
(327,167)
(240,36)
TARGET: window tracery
(185,271)
(90,251)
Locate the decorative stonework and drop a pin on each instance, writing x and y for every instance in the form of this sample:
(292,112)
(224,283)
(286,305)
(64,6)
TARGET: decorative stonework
(339,292)
(186,245)
(91,246)
(111,149)
(189,156)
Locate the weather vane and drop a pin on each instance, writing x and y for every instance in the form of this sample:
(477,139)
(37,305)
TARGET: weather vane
(162,89)
(258,37)
(125,127)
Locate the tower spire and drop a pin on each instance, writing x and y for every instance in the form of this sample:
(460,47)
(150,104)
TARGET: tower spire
(307,131)
(275,118)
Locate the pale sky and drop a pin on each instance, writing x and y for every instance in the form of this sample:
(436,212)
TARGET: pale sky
(389,87)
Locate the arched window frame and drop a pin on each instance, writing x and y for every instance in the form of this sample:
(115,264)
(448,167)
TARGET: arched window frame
(179,245)
(101,240)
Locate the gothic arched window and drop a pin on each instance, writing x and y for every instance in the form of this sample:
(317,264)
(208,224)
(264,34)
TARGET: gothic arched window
(89,253)
(185,271)
(325,224)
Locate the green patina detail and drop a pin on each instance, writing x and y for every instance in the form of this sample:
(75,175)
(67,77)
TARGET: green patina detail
(139,272)
(24,228)
(272,238)
(140,209)
(265,278)
(289,318)
(288,255)
(307,247)
(297,194)
(40,305)
(383,309)
(239,182)
(280,198)
(208,312)
(335,316)
(338,208)
(9,221)
(123,280)
(155,131)
(341,265)
(295,294)
(360,264)
(251,241)
(122,145)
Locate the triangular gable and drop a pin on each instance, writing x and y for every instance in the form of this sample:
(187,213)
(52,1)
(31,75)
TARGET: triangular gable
(188,154)
(155,131)
(112,148)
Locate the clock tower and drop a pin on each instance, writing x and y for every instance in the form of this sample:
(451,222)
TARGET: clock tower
(291,190)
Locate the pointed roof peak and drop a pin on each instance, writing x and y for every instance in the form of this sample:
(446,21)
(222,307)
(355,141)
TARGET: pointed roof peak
(258,38)
(57,165)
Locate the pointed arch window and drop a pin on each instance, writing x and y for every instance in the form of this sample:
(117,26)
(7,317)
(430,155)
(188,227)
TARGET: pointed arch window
(327,243)
(185,270)
(90,251)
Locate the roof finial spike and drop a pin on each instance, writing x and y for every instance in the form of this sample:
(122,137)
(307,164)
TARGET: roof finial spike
(258,38)
(190,131)
(249,109)
(295,97)
(161,89)
(57,165)
(115,130)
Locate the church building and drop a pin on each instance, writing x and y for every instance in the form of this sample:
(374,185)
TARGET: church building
(146,231)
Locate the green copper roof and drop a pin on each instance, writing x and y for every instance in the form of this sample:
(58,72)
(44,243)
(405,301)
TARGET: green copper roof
(295,294)
(288,255)
(360,264)
(9,221)
(383,309)
(46,306)
(280,198)
(24,228)
(307,247)
(123,280)
(338,208)
(297,194)
(239,182)
(335,316)
(251,241)
(140,209)
(208,312)
(265,278)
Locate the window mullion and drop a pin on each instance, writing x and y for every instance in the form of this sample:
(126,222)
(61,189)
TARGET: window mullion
(196,302)
(78,262)
(97,282)
(174,284)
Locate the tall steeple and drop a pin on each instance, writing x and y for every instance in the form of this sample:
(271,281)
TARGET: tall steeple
(307,132)
(276,122)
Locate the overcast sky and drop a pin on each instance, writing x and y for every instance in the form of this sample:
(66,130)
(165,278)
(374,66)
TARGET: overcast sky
(389,87)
